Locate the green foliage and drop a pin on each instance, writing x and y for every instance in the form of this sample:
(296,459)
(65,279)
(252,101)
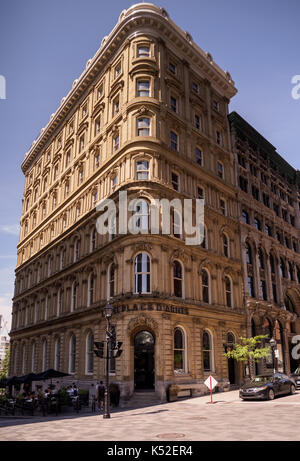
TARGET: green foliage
(249,349)
(5,364)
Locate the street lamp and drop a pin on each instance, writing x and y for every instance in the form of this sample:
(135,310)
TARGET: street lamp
(108,310)
(273,344)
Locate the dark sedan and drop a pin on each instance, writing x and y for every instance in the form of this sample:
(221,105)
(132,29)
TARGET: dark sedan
(296,377)
(268,387)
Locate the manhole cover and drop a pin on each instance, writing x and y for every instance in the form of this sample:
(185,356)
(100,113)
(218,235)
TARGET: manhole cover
(197,418)
(171,435)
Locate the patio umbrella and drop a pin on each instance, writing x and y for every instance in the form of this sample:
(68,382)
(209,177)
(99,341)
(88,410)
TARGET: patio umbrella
(49,374)
(26,378)
(12,381)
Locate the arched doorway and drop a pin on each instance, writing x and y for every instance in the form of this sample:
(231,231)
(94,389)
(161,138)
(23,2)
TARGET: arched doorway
(144,363)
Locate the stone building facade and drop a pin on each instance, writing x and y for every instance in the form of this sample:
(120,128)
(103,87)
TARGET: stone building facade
(147,116)
(268,197)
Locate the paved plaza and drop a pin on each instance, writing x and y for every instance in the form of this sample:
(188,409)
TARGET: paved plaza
(229,419)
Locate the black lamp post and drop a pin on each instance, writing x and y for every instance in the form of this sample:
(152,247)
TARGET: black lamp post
(108,310)
(273,347)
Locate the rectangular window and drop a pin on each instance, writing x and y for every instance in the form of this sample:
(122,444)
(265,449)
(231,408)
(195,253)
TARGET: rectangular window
(223,207)
(118,70)
(97,125)
(199,156)
(84,111)
(219,138)
(200,193)
(172,68)
(100,91)
(81,143)
(116,143)
(116,106)
(215,105)
(263,290)
(143,88)
(175,181)
(197,122)
(173,104)
(195,87)
(143,126)
(251,287)
(143,51)
(174,141)
(68,157)
(220,170)
(96,161)
(142,170)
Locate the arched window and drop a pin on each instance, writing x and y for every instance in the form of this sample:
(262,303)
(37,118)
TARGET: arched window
(226,249)
(205,286)
(57,351)
(207,351)
(72,354)
(228,291)
(248,254)
(179,351)
(111,281)
(142,273)
(44,355)
(91,288)
(178,279)
(230,340)
(89,360)
(74,296)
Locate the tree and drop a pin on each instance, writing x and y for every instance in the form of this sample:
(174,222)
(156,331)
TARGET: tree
(249,350)
(4,365)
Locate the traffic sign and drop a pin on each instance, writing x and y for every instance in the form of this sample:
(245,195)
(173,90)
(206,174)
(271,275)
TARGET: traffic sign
(211,382)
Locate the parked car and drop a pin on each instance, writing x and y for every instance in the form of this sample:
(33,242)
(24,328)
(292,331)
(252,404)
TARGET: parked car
(268,387)
(296,377)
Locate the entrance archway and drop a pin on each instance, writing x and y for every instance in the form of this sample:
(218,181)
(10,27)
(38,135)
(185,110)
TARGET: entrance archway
(144,361)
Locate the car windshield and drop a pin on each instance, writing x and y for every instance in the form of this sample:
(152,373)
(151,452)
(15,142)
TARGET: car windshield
(262,379)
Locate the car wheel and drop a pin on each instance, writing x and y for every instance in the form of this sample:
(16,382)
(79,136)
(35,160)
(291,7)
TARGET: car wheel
(293,389)
(271,394)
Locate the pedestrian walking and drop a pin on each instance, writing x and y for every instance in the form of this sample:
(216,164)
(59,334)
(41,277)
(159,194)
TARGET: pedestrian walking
(100,396)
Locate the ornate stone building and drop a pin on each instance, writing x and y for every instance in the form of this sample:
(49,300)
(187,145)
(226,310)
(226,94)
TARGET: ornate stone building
(268,197)
(148,116)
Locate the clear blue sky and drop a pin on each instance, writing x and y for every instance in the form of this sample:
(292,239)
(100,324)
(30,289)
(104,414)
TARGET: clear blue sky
(45,44)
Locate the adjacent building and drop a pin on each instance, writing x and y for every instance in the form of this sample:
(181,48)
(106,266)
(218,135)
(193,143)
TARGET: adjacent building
(268,197)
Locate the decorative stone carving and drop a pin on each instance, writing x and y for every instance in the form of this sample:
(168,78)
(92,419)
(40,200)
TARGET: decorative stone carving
(142,321)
